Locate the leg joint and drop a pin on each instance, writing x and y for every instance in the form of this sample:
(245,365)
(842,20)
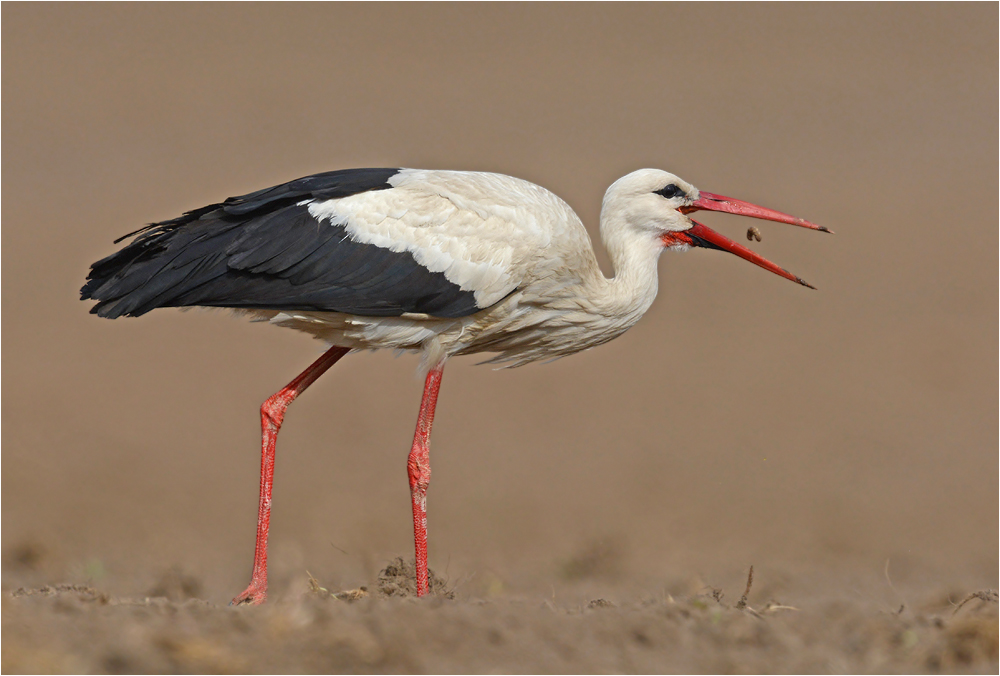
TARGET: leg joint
(272,411)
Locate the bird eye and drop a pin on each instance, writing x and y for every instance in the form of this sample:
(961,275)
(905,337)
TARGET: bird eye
(671,191)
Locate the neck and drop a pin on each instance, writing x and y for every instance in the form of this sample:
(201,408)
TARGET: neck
(629,293)
(589,310)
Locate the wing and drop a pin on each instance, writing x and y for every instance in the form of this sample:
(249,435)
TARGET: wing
(372,242)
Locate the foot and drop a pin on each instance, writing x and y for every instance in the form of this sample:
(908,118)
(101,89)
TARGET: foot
(253,595)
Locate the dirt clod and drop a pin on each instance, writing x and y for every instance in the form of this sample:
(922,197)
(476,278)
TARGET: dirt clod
(602,558)
(399,578)
(352,594)
(316,589)
(81,592)
(28,555)
(176,585)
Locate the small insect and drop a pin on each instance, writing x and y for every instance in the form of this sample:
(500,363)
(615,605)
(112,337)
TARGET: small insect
(753,234)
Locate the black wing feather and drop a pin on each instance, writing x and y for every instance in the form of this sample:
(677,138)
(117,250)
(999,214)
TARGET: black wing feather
(264,251)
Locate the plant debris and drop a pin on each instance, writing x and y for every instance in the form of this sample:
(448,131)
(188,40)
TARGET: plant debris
(742,603)
(986,595)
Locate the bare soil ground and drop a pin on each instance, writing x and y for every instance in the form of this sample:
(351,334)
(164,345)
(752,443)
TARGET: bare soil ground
(384,628)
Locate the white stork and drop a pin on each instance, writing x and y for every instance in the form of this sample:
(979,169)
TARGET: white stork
(439,262)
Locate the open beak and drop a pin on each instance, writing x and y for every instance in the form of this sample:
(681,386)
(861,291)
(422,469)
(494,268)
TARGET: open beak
(703,236)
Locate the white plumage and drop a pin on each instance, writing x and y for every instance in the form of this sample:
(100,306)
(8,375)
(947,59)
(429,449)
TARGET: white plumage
(520,248)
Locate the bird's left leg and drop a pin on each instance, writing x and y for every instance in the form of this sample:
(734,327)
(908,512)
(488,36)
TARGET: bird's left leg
(418,468)
(272,414)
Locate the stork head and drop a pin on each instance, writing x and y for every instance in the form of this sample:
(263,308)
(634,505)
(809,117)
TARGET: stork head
(657,204)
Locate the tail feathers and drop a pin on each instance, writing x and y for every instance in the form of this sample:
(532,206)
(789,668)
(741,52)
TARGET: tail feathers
(163,263)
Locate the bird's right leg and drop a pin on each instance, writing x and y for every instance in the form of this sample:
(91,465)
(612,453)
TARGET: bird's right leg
(418,468)
(272,413)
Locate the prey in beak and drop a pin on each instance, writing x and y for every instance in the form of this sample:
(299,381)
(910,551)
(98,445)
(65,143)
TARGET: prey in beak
(702,236)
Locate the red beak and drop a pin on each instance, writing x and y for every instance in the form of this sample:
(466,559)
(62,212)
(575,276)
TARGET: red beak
(703,236)
(712,202)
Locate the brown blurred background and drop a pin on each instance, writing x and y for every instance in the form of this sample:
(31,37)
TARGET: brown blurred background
(745,420)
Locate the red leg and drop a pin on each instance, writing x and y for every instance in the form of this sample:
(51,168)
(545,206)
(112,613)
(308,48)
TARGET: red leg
(272,413)
(418,468)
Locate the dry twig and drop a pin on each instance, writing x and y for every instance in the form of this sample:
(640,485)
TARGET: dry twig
(987,595)
(742,603)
